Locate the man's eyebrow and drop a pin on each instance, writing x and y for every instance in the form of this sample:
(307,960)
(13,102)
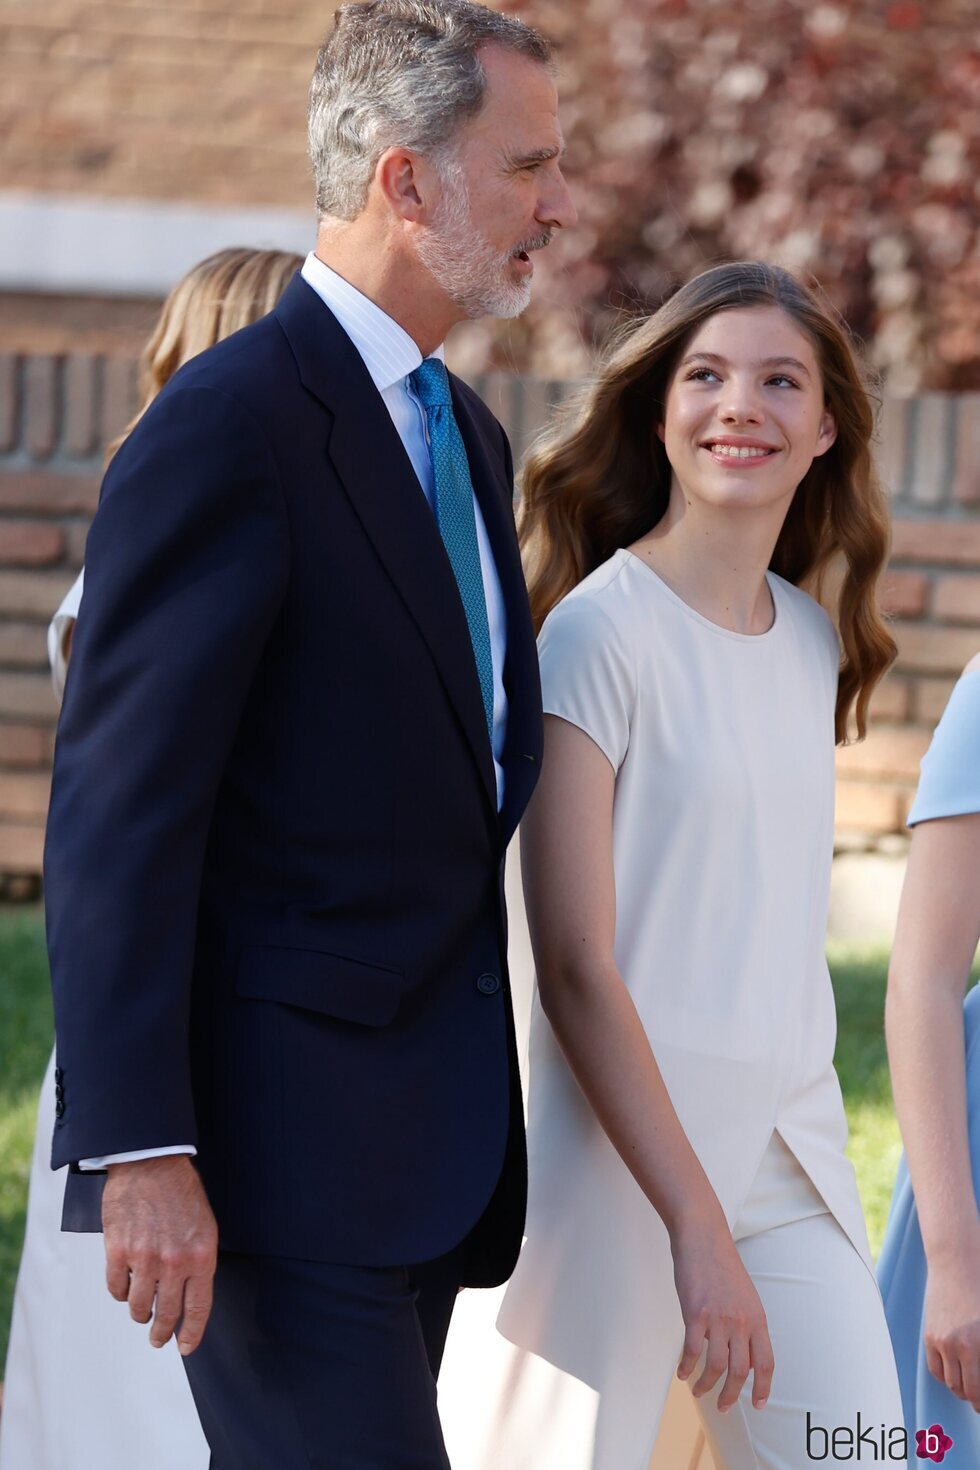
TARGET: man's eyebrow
(540,155)
(793,362)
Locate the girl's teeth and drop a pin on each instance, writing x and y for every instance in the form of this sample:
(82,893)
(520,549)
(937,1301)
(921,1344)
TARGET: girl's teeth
(734,452)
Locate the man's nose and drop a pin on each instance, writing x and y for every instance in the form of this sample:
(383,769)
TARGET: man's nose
(557,207)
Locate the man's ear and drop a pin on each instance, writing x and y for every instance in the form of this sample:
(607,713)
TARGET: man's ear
(405,181)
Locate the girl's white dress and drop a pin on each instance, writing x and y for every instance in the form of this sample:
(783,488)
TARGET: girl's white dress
(723,826)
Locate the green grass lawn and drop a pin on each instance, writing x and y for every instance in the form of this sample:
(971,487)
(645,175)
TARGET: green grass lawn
(25,1039)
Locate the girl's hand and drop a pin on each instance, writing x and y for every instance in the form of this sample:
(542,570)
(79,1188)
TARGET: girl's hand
(952,1321)
(721,1307)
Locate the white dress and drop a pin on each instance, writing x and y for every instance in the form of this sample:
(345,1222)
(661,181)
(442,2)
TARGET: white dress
(83,1386)
(723,823)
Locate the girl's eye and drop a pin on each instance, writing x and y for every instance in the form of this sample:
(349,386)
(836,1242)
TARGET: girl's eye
(700,375)
(782,378)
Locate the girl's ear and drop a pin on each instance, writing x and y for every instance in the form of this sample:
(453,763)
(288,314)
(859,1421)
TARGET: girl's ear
(827,432)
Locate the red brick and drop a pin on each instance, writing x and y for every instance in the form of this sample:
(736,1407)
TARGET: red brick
(966,456)
(891,700)
(938,541)
(957,600)
(32,594)
(931,698)
(80,427)
(904,594)
(28,696)
(892,444)
(41,405)
(25,745)
(76,536)
(886,753)
(929,470)
(21,848)
(44,492)
(30,543)
(933,650)
(865,807)
(24,644)
(24,796)
(118,396)
(9,396)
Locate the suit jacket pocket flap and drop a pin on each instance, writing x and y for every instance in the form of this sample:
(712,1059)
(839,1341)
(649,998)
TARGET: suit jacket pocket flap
(349,989)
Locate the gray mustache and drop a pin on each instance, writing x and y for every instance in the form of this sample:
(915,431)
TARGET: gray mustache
(537,243)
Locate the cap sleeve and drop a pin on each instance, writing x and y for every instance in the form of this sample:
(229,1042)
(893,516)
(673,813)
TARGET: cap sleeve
(949,782)
(587,674)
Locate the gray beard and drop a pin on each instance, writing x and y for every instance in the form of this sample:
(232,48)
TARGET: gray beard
(467,267)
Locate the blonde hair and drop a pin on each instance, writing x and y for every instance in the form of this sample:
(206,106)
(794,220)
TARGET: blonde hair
(228,290)
(602,479)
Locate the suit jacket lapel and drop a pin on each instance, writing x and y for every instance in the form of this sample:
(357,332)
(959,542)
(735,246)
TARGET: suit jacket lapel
(378,478)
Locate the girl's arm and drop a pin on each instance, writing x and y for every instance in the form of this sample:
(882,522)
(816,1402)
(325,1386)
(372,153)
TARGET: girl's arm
(935,941)
(567,865)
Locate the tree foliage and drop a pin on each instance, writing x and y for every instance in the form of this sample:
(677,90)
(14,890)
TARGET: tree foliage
(840,139)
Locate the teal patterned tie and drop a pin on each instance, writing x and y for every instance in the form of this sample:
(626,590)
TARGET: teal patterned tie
(455,516)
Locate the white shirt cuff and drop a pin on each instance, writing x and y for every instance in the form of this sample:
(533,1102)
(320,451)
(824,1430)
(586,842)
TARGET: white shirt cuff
(139,1153)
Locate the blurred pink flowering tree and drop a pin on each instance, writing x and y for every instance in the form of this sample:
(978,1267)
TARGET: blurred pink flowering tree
(840,139)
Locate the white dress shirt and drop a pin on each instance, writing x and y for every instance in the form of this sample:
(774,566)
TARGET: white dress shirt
(390,354)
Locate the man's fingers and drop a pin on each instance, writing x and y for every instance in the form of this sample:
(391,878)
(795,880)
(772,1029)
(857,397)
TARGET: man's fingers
(763,1364)
(198,1293)
(142,1290)
(170,1299)
(117,1274)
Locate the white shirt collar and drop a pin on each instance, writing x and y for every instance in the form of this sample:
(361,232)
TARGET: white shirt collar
(388,352)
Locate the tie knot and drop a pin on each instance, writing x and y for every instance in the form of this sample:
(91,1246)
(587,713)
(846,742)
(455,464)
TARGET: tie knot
(431,383)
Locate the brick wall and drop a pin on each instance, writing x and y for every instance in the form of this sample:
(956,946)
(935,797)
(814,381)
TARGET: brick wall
(192,99)
(56,412)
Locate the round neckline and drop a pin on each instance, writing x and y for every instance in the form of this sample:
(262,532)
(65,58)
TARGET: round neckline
(692,612)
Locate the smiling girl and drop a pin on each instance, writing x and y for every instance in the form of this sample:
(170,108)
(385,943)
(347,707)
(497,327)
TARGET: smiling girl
(691,1209)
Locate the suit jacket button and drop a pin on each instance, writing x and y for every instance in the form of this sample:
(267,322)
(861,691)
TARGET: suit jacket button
(59,1108)
(488,984)
(59,1075)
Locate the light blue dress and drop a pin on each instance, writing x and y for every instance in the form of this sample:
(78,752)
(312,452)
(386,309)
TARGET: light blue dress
(949,786)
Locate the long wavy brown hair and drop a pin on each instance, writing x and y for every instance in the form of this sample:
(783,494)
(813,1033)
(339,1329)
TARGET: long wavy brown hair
(228,290)
(601,479)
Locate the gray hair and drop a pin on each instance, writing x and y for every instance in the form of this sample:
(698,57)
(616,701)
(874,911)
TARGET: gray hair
(399,73)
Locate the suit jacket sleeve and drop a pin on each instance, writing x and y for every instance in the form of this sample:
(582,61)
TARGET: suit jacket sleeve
(185,573)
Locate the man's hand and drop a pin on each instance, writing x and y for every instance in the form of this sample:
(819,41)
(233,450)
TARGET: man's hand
(161,1241)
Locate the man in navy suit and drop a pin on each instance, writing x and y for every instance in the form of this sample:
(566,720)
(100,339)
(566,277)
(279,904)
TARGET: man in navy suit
(301,723)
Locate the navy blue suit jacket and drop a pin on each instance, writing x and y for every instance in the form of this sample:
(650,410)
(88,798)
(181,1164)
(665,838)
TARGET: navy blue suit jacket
(274,864)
